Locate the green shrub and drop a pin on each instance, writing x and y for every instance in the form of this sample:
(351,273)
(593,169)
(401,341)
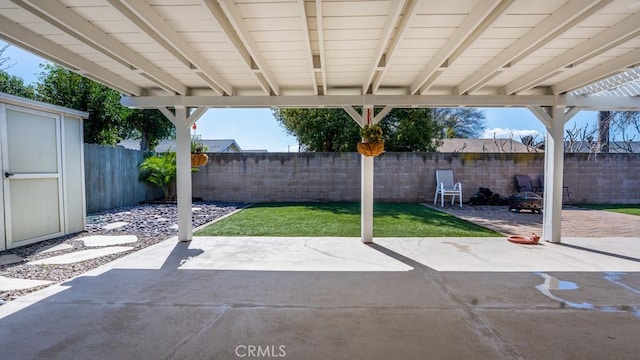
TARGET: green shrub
(160,170)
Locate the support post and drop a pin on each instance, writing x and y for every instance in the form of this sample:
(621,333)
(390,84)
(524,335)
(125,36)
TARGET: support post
(366,199)
(183,167)
(182,120)
(553,180)
(366,172)
(366,184)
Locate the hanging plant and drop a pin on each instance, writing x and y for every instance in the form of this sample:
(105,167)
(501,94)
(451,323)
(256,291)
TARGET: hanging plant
(372,143)
(198,156)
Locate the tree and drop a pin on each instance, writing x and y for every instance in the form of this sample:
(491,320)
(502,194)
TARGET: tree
(5,61)
(148,125)
(411,130)
(460,122)
(626,128)
(320,129)
(12,84)
(404,129)
(604,126)
(63,87)
(614,131)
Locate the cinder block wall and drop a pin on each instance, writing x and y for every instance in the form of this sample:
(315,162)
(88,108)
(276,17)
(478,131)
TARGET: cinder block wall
(405,177)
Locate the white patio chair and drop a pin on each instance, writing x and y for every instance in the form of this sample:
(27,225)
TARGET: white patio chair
(446,186)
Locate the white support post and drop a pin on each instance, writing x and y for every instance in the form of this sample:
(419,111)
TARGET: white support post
(366,186)
(183,165)
(553,180)
(183,121)
(366,173)
(366,199)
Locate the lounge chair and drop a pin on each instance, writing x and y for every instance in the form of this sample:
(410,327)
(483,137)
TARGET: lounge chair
(565,189)
(524,183)
(446,186)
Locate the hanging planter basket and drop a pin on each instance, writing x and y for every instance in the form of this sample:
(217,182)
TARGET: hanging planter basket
(199,160)
(371,148)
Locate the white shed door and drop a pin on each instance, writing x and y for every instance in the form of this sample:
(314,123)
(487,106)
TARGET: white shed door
(32,181)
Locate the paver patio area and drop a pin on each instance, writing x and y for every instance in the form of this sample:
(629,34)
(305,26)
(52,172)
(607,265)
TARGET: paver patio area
(336,298)
(576,222)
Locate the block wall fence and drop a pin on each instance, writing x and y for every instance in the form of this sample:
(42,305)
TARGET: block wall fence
(406,177)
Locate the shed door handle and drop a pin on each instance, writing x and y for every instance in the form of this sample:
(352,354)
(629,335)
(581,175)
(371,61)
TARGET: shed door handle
(8,174)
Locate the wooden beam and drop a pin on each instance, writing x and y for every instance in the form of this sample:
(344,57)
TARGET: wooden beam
(75,25)
(237,22)
(599,72)
(620,33)
(480,17)
(383,42)
(407,15)
(149,21)
(534,39)
(307,41)
(41,46)
(323,60)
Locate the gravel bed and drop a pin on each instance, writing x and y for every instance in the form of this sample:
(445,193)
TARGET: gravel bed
(151,223)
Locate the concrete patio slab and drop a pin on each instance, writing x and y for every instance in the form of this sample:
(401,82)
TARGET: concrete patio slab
(82,255)
(53,248)
(108,240)
(336,298)
(10,259)
(7,283)
(499,255)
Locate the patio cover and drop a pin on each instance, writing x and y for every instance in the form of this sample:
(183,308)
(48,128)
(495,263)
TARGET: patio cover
(184,57)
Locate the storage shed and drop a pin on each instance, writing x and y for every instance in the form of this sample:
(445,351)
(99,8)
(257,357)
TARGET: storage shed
(42,194)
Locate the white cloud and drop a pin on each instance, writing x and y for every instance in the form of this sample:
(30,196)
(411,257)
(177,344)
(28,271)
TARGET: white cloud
(501,133)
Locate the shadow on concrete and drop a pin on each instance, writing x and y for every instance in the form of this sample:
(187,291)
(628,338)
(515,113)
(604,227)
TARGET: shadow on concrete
(178,313)
(596,251)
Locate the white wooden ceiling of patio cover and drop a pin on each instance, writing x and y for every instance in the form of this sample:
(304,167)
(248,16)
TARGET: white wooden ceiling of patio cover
(296,47)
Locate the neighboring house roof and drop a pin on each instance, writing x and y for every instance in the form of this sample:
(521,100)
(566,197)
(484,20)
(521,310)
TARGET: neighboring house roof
(485,145)
(615,147)
(226,145)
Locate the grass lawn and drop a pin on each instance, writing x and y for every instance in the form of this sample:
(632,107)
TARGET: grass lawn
(342,219)
(631,209)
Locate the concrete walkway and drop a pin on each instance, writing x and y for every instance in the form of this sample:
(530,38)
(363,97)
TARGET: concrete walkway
(106,245)
(336,298)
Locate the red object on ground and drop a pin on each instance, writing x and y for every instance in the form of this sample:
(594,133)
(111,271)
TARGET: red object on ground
(523,240)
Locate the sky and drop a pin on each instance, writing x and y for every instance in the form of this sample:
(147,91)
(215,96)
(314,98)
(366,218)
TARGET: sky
(257,129)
